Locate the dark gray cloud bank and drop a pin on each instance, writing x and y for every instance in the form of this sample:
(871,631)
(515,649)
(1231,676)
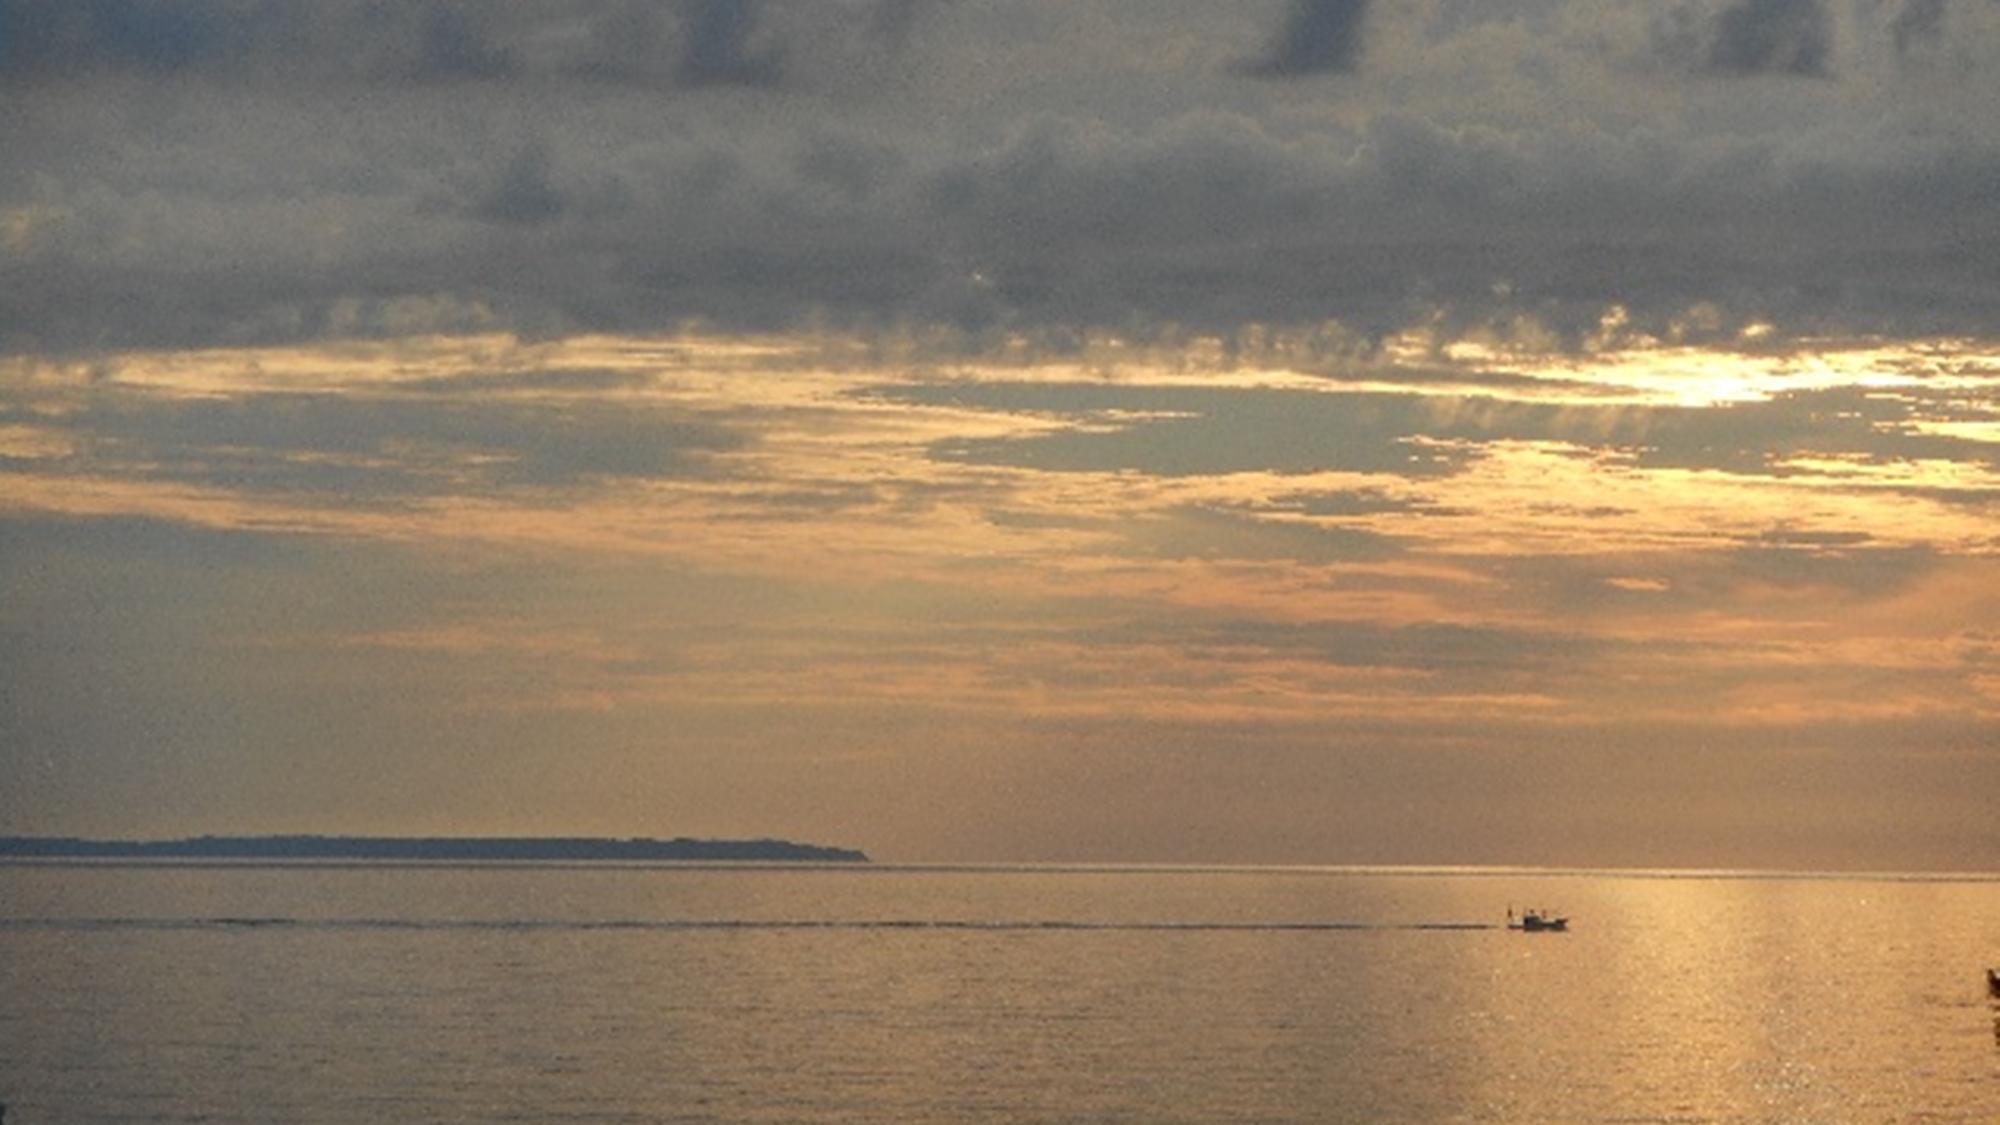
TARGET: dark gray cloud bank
(216,171)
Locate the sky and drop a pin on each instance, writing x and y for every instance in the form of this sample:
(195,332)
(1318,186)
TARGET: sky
(1525,432)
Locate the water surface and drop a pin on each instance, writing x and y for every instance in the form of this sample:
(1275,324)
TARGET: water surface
(610,993)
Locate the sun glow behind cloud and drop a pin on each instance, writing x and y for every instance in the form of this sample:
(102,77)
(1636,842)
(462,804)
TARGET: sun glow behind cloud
(648,533)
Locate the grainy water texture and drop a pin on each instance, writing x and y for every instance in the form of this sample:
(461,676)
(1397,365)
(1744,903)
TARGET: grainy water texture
(275,993)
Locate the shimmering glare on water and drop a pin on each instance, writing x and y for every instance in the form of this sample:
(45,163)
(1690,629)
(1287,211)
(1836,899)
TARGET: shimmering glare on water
(615,994)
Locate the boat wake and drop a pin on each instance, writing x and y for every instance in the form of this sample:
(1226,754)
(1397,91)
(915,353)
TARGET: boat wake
(697,924)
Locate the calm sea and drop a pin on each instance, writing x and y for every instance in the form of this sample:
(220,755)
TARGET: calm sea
(273,993)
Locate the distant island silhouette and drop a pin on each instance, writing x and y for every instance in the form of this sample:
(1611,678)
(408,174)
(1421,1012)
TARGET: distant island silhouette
(450,848)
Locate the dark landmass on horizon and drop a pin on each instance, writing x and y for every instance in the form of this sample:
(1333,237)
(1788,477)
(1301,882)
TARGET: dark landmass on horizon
(459,848)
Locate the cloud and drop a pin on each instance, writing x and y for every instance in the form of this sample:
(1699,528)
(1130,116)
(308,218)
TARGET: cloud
(524,194)
(691,44)
(625,43)
(1177,432)
(429,41)
(719,48)
(451,47)
(234,567)
(1021,167)
(1918,22)
(1425,435)
(484,432)
(1772,37)
(61,38)
(1319,37)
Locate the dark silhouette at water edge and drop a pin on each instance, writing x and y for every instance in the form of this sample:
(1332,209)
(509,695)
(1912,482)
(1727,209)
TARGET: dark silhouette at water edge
(441,848)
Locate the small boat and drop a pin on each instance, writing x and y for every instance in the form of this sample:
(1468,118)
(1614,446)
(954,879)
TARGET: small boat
(1535,921)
